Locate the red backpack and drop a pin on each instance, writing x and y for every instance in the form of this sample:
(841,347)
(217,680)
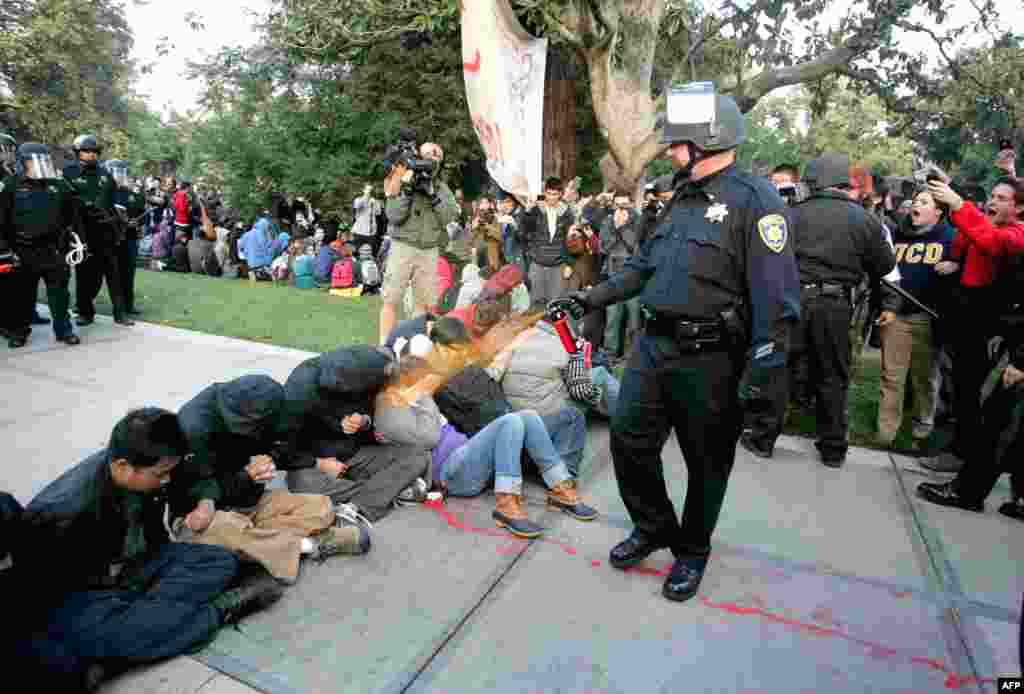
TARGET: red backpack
(341,274)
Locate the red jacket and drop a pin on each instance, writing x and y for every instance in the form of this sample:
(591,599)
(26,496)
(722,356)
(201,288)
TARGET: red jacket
(181,211)
(982,246)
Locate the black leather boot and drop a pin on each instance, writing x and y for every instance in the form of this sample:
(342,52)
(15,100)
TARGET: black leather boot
(633,550)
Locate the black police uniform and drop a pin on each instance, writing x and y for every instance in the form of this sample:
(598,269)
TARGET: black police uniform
(95,188)
(128,250)
(837,242)
(34,217)
(721,246)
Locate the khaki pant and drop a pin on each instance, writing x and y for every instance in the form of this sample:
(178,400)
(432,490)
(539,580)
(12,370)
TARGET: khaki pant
(270,533)
(907,354)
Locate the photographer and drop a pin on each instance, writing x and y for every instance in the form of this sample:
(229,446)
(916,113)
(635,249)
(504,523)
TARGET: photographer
(619,235)
(419,208)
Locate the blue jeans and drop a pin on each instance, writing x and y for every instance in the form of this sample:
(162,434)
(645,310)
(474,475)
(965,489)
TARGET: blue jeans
(495,453)
(568,431)
(609,385)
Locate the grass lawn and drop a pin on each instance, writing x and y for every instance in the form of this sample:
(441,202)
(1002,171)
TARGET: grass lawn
(308,319)
(314,320)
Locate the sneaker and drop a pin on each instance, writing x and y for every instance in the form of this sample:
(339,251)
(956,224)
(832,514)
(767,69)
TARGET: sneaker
(333,541)
(252,595)
(415,493)
(348,514)
(947,462)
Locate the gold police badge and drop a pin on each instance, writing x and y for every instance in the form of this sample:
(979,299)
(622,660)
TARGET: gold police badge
(773,231)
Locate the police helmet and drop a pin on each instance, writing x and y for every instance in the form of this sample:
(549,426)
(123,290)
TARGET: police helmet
(833,170)
(8,150)
(696,113)
(87,143)
(34,162)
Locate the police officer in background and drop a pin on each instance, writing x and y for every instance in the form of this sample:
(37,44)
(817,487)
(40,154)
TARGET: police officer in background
(95,189)
(717,279)
(131,207)
(36,209)
(837,242)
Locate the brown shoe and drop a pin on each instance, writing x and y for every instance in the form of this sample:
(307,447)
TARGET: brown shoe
(509,514)
(563,496)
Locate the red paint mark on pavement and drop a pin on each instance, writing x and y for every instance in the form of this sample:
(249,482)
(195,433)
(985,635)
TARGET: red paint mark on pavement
(595,563)
(902,594)
(473,66)
(875,650)
(649,571)
(458,522)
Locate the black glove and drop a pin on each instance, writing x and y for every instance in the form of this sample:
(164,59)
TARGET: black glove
(575,304)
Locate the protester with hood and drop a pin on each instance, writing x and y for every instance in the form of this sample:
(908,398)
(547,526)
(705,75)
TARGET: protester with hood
(101,588)
(332,444)
(923,249)
(261,244)
(330,253)
(233,430)
(492,303)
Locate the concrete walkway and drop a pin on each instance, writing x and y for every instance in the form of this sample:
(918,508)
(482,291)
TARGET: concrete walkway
(822,580)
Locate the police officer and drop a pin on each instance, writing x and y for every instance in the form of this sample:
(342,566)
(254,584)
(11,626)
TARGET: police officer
(837,243)
(131,206)
(717,279)
(95,188)
(8,154)
(36,209)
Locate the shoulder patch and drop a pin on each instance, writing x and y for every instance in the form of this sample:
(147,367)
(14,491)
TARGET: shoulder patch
(773,231)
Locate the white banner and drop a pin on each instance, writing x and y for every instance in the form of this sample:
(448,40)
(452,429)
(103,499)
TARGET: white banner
(504,73)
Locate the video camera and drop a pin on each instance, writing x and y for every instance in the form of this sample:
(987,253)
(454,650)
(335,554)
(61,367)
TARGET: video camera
(407,153)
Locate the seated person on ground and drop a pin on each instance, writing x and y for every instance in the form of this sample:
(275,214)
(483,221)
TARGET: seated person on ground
(466,466)
(108,590)
(330,252)
(331,440)
(346,273)
(537,373)
(232,430)
(261,245)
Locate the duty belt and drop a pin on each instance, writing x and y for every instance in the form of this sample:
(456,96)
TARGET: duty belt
(836,291)
(692,335)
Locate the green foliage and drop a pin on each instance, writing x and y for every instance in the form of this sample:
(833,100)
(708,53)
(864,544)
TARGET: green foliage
(66,64)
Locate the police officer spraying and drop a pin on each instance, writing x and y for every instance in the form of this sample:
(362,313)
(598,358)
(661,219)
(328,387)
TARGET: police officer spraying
(95,188)
(36,209)
(717,280)
(131,207)
(837,242)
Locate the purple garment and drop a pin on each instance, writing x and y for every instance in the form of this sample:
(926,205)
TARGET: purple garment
(449,441)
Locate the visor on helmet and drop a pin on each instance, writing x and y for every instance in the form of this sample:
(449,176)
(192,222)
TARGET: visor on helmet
(38,166)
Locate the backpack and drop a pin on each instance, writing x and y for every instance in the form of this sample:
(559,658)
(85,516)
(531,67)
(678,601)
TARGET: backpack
(371,271)
(210,265)
(341,274)
(471,400)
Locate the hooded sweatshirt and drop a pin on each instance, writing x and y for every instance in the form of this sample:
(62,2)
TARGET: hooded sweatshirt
(322,391)
(226,424)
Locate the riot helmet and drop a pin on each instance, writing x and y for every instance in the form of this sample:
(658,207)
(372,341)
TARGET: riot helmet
(118,169)
(832,171)
(8,152)
(707,122)
(87,143)
(34,162)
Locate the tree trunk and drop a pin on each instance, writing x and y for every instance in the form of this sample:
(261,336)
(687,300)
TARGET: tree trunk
(560,148)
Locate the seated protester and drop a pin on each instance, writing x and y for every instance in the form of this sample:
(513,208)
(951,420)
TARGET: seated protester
(232,430)
(201,257)
(108,590)
(261,245)
(330,253)
(346,273)
(465,466)
(420,325)
(472,285)
(303,269)
(908,341)
(537,373)
(332,445)
(225,250)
